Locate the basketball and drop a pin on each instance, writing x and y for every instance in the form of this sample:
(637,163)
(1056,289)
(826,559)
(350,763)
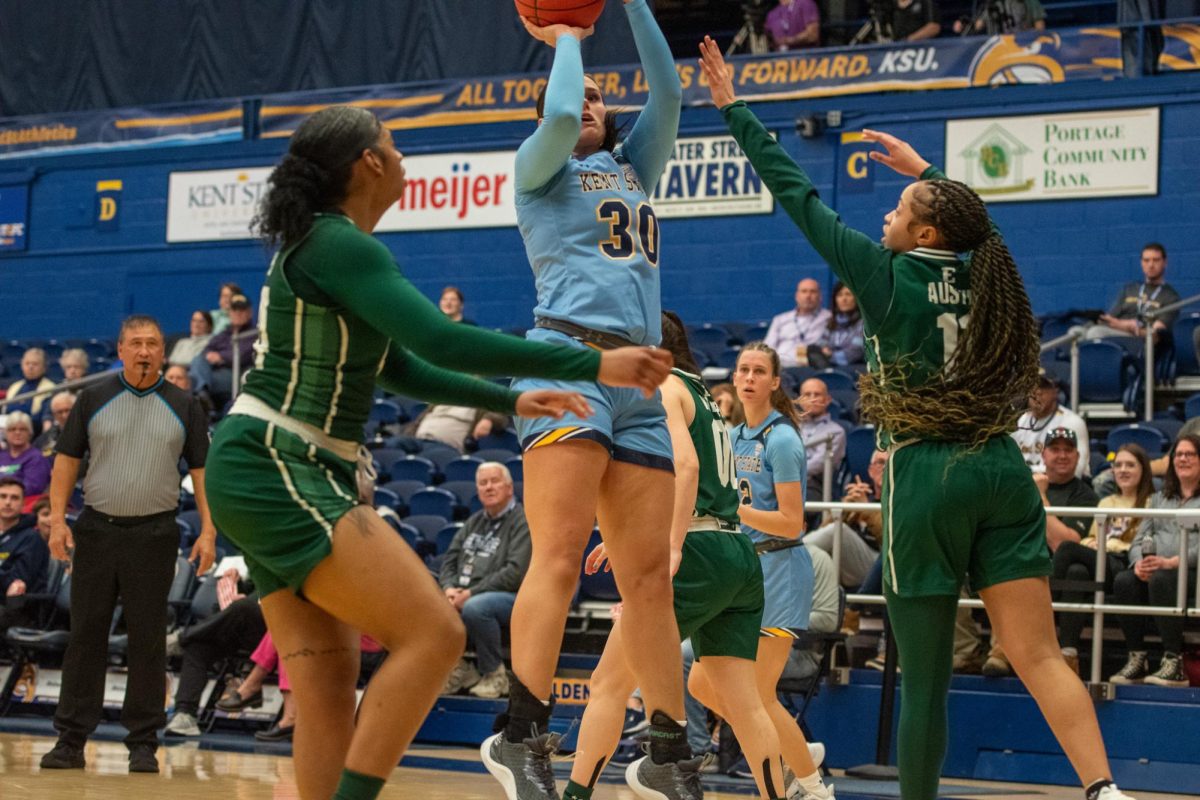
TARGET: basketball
(576,13)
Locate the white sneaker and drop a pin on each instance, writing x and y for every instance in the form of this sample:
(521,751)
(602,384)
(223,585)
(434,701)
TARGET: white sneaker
(182,724)
(492,685)
(463,676)
(1111,792)
(816,751)
(796,792)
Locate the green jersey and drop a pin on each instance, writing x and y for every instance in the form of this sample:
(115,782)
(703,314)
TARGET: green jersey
(336,315)
(716,494)
(914,305)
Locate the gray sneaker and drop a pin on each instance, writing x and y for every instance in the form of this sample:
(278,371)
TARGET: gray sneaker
(182,724)
(1170,672)
(463,676)
(522,768)
(1135,668)
(678,780)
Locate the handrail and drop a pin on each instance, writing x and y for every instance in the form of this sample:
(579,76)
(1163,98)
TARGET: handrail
(1148,359)
(1072,336)
(1098,607)
(65,386)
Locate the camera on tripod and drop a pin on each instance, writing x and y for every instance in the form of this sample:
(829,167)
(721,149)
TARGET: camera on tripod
(992,16)
(752,37)
(878,27)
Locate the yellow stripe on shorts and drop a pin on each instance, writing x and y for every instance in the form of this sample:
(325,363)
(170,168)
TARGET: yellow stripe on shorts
(550,437)
(777,633)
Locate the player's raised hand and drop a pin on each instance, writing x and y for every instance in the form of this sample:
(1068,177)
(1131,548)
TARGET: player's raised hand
(550,33)
(900,155)
(635,367)
(552,403)
(718,74)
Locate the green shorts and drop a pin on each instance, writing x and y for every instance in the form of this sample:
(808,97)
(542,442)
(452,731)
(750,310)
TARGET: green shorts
(276,498)
(719,594)
(949,514)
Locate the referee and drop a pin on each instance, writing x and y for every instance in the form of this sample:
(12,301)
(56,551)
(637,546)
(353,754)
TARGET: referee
(134,427)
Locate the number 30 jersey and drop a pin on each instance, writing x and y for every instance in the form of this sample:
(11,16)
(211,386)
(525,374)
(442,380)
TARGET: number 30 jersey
(593,241)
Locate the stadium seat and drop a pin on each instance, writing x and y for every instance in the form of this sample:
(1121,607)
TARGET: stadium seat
(404,489)
(1185,354)
(1191,407)
(848,400)
(836,380)
(860,447)
(506,440)
(737,332)
(517,467)
(461,469)
(445,536)
(709,338)
(726,359)
(462,490)
(412,468)
(792,377)
(1169,426)
(439,453)
(384,458)
(1101,371)
(407,532)
(600,586)
(756,332)
(1149,438)
(432,501)
(384,412)
(386,497)
(427,525)
(500,456)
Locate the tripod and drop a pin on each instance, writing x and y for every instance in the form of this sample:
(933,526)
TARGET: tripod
(751,38)
(994,17)
(874,29)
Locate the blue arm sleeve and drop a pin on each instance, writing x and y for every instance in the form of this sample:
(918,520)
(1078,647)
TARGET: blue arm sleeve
(543,154)
(649,144)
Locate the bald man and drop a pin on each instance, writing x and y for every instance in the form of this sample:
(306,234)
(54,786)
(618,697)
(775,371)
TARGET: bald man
(793,332)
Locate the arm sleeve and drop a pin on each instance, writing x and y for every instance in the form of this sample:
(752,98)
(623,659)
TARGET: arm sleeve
(195,447)
(545,152)
(649,144)
(406,374)
(786,454)
(73,441)
(359,273)
(861,263)
(508,577)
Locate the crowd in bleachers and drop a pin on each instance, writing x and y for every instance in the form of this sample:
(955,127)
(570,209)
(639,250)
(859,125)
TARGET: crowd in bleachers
(449,481)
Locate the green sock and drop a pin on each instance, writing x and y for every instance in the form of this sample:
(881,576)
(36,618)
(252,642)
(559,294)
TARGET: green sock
(576,792)
(356,786)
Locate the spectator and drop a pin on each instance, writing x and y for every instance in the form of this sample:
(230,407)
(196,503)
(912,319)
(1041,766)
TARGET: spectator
(862,530)
(841,343)
(480,575)
(1134,11)
(1043,415)
(220,314)
(1127,317)
(33,368)
(452,425)
(23,553)
(794,25)
(74,363)
(22,460)
(1003,16)
(452,303)
(1058,487)
(135,427)
(1156,564)
(820,434)
(793,332)
(41,512)
(212,371)
(178,375)
(189,347)
(60,409)
(1077,561)
(727,400)
(912,20)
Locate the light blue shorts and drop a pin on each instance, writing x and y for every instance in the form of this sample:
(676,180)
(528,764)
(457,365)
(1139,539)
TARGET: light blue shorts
(631,427)
(788,590)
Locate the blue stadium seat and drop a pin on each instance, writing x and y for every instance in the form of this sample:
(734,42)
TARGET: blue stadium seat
(1191,407)
(709,338)
(860,446)
(792,377)
(404,489)
(1169,426)
(506,440)
(385,458)
(386,412)
(1185,354)
(407,532)
(848,400)
(600,586)
(1149,438)
(410,409)
(461,469)
(12,351)
(756,332)
(427,525)
(54,349)
(386,497)
(1101,371)
(445,536)
(726,359)
(412,468)
(432,500)
(517,467)
(737,332)
(836,380)
(463,491)
(500,456)
(439,453)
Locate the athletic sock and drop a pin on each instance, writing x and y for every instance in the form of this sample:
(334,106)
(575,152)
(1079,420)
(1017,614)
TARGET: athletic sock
(525,712)
(1093,791)
(668,739)
(576,792)
(356,786)
(813,785)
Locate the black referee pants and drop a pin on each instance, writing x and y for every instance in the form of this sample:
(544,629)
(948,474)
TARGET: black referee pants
(135,561)
(238,628)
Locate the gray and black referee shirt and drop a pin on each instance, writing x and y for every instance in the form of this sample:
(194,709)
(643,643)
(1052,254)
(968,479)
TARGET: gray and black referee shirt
(135,439)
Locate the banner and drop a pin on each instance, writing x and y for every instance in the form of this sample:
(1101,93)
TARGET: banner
(710,176)
(91,131)
(14,216)
(1055,156)
(945,63)
(856,173)
(213,205)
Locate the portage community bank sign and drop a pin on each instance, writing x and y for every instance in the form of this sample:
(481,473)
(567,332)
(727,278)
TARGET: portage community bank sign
(1056,156)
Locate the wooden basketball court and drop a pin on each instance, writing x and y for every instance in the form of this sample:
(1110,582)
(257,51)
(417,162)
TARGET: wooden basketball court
(191,773)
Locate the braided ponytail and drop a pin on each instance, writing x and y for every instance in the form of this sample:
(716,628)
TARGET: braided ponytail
(313,175)
(980,391)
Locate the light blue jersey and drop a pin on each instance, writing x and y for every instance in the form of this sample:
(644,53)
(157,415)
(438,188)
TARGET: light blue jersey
(590,232)
(766,455)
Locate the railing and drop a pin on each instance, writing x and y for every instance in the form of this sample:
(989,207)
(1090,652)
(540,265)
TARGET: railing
(1098,608)
(65,386)
(1072,336)
(1148,361)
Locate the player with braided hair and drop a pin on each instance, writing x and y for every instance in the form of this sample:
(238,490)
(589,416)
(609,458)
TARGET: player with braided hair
(952,349)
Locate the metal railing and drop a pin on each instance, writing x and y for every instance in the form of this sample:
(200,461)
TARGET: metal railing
(1098,608)
(65,386)
(1148,361)
(1072,337)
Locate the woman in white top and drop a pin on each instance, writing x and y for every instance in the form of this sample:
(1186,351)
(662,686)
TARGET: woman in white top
(192,345)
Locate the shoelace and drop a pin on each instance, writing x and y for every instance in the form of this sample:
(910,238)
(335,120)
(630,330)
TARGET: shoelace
(537,761)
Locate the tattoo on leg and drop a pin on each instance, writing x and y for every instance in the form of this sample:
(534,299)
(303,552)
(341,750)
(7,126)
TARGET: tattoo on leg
(306,652)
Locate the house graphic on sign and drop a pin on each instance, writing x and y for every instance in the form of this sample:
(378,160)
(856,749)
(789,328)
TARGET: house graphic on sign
(994,162)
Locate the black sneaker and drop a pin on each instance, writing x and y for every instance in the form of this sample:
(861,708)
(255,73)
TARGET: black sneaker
(522,768)
(276,733)
(142,758)
(1135,668)
(64,756)
(1170,672)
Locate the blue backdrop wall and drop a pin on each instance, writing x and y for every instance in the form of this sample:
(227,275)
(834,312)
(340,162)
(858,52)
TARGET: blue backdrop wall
(75,280)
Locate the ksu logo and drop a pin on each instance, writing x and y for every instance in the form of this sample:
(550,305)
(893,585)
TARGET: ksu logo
(1002,60)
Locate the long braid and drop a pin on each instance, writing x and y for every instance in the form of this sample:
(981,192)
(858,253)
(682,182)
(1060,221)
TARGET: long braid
(779,398)
(979,392)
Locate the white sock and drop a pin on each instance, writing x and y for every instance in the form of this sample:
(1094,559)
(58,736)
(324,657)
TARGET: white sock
(813,784)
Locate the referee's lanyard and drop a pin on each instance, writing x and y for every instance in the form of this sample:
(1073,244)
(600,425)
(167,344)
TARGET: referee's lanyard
(1144,302)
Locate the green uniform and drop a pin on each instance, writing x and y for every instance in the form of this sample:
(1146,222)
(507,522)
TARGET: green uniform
(914,306)
(336,316)
(719,585)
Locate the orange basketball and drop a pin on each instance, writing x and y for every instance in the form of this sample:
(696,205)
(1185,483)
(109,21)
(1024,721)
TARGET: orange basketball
(576,13)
